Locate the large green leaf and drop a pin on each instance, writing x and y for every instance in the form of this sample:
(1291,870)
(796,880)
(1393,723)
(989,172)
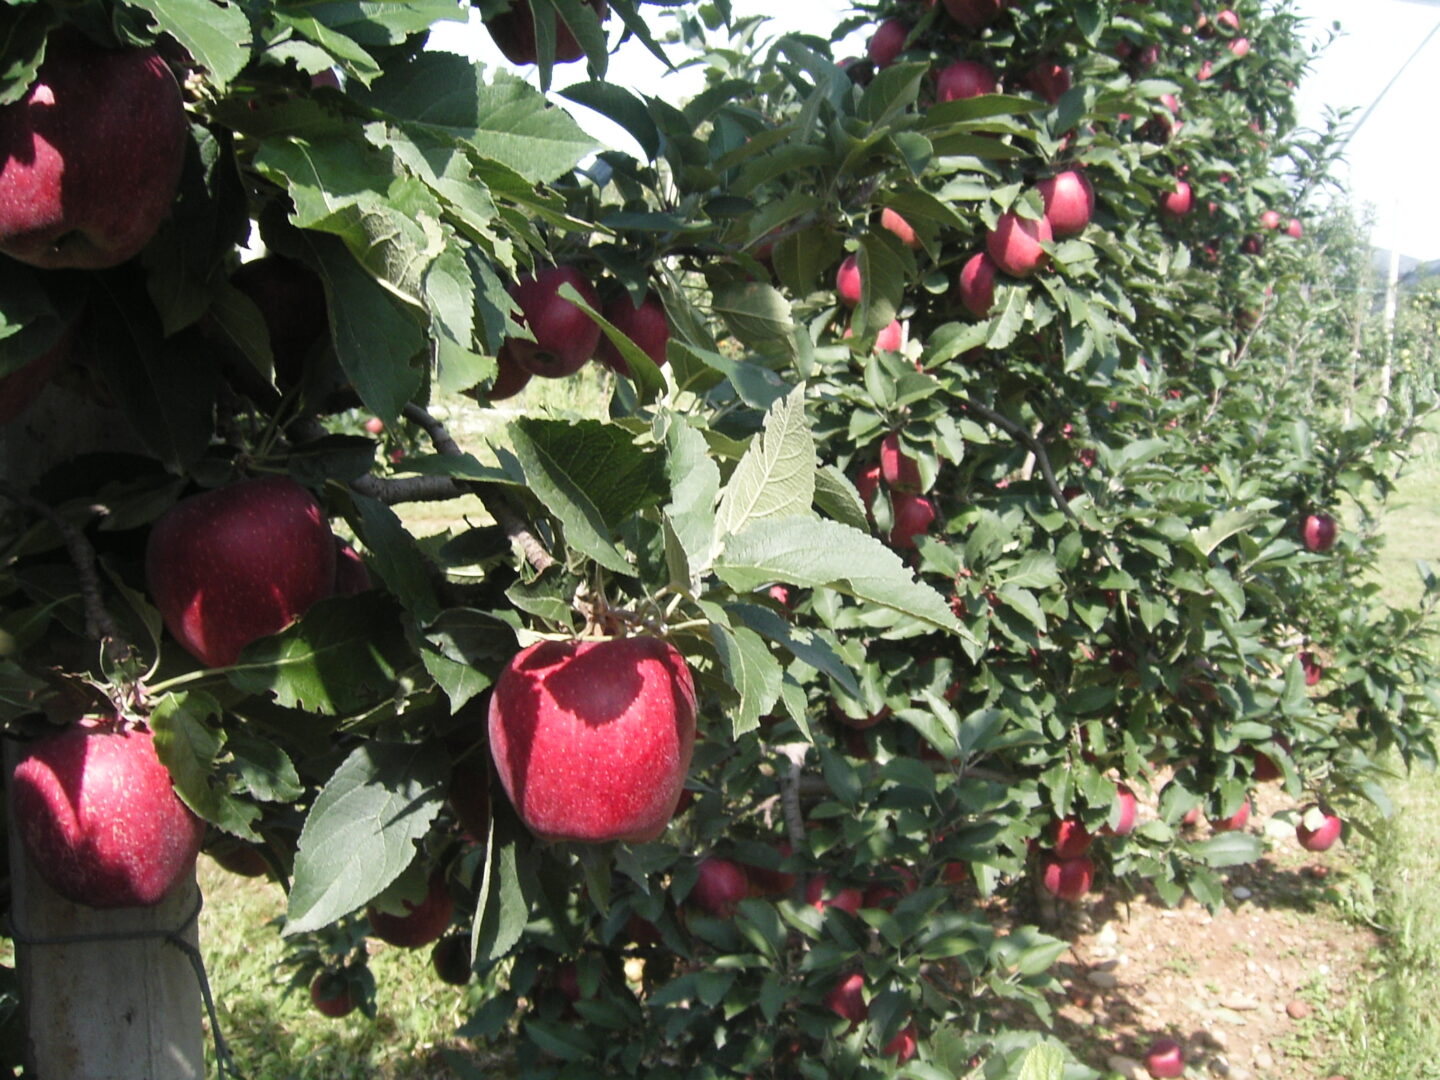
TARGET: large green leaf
(361,833)
(216,35)
(776,477)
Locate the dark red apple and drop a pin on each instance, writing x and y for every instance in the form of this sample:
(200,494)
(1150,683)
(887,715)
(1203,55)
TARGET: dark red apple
(965,79)
(330,995)
(914,514)
(901,229)
(867,484)
(90,157)
(1049,79)
(846,999)
(1164,1059)
(592,739)
(977,285)
(719,886)
(1016,244)
(565,337)
(451,959)
(238,563)
(901,472)
(513,31)
(820,896)
(767,882)
(1235,821)
(847,281)
(98,817)
(645,324)
(1319,532)
(291,299)
(1069,879)
(974,14)
(903,1046)
(1069,202)
(887,42)
(1312,667)
(1069,838)
(510,377)
(352,576)
(422,923)
(1318,829)
(1179,202)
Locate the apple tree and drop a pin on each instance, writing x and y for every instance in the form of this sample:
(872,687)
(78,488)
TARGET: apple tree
(946,515)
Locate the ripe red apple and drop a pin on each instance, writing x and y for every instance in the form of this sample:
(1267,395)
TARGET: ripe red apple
(645,324)
(1319,532)
(977,285)
(867,484)
(891,337)
(90,157)
(1318,829)
(513,31)
(1165,1059)
(510,377)
(720,886)
(900,228)
(23,385)
(903,1046)
(1049,79)
(1069,879)
(422,923)
(1069,202)
(291,299)
(1016,244)
(1295,229)
(1270,220)
(592,739)
(820,896)
(767,882)
(846,999)
(1240,47)
(1235,821)
(330,995)
(351,574)
(1069,838)
(899,469)
(887,42)
(565,337)
(1179,202)
(1128,811)
(1228,19)
(1264,767)
(238,563)
(451,959)
(1311,666)
(974,14)
(965,79)
(98,817)
(847,281)
(913,514)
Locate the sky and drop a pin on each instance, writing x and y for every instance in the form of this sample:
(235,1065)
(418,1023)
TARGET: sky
(1393,159)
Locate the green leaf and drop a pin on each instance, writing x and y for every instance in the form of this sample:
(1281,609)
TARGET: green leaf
(750,670)
(819,554)
(1228,849)
(188,739)
(343,655)
(501,911)
(620,105)
(776,477)
(802,643)
(361,833)
(216,35)
(1043,1062)
(265,769)
(694,487)
(395,557)
(756,313)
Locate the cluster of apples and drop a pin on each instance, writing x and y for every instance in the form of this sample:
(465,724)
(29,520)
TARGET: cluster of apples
(565,337)
(911,513)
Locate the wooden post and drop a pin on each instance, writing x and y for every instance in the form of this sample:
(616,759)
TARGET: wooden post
(108,1009)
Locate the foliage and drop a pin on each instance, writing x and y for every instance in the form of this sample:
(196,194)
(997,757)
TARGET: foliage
(1119,457)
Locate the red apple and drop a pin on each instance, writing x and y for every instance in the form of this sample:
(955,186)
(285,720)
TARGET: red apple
(847,281)
(900,228)
(903,1046)
(238,563)
(1319,532)
(887,42)
(451,959)
(977,284)
(421,923)
(719,887)
(1311,666)
(330,995)
(867,484)
(513,31)
(565,337)
(1165,1059)
(351,574)
(767,882)
(1069,879)
(1016,244)
(291,299)
(1228,19)
(1049,79)
(891,337)
(510,377)
(965,79)
(1127,810)
(914,514)
(98,817)
(645,324)
(846,999)
(1295,229)
(1270,220)
(1069,838)
(1240,47)
(1178,203)
(1235,821)
(1069,202)
(899,469)
(820,896)
(90,157)
(1318,829)
(974,14)
(592,739)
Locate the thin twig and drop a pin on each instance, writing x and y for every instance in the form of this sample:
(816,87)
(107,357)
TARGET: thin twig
(1022,436)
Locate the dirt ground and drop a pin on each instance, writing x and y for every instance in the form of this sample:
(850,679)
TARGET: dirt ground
(1245,992)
